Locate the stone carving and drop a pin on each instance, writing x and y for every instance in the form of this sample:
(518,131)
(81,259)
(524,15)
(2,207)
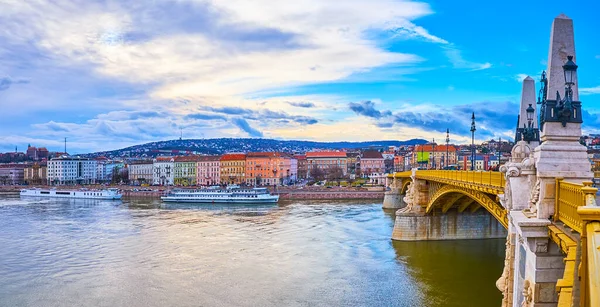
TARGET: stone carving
(520,151)
(394,184)
(534,197)
(528,165)
(409,198)
(541,247)
(504,283)
(527,294)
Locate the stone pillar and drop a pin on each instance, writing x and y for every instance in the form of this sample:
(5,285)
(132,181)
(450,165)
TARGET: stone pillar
(560,155)
(528,98)
(538,262)
(392,198)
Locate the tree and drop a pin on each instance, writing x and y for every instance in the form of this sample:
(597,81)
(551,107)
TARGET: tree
(317,174)
(335,173)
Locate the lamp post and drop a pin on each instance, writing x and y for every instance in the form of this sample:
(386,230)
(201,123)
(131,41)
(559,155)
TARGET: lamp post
(565,106)
(447,144)
(422,156)
(473,141)
(499,151)
(433,153)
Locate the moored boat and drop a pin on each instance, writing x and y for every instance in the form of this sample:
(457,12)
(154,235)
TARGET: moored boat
(108,194)
(229,196)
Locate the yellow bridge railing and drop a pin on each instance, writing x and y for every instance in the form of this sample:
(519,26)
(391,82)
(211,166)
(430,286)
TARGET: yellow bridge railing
(494,180)
(570,196)
(575,206)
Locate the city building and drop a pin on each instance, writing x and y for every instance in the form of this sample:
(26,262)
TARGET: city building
(326,161)
(163,172)
(353,163)
(140,172)
(482,162)
(233,168)
(185,170)
(36,174)
(12,173)
(270,168)
(371,163)
(399,165)
(107,169)
(434,156)
(36,154)
(208,170)
(302,166)
(71,170)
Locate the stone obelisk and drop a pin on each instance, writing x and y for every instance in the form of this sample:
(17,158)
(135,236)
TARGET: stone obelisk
(527,99)
(560,154)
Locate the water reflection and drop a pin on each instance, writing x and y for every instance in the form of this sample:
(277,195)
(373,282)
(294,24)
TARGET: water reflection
(146,253)
(455,273)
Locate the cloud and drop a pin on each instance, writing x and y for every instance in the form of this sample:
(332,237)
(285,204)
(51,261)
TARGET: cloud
(367,108)
(457,60)
(203,116)
(491,117)
(412,31)
(262,114)
(130,115)
(244,126)
(589,90)
(301,104)
(520,77)
(7,82)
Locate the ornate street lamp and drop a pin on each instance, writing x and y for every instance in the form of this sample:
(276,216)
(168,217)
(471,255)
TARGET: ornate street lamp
(563,110)
(529,132)
(565,106)
(447,144)
(473,141)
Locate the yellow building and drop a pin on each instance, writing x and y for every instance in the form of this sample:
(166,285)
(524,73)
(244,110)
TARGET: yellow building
(233,168)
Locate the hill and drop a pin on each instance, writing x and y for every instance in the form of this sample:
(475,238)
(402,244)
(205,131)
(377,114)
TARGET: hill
(225,145)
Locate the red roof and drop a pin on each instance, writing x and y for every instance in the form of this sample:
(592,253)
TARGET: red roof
(264,154)
(300,157)
(209,158)
(186,159)
(438,148)
(371,154)
(233,157)
(163,159)
(326,154)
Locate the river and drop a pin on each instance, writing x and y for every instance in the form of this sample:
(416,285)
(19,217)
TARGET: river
(300,253)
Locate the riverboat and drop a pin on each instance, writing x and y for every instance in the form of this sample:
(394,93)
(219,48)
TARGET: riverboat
(107,194)
(228,196)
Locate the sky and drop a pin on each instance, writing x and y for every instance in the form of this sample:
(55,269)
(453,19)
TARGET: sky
(110,74)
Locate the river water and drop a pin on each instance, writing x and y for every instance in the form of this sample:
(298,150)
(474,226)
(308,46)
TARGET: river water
(300,253)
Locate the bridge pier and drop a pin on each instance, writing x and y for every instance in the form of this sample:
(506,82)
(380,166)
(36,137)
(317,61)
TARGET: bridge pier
(393,199)
(452,225)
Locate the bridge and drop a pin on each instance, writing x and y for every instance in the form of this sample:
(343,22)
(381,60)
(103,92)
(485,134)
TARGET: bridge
(542,200)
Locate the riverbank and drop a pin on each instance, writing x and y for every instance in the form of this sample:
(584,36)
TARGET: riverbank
(286,193)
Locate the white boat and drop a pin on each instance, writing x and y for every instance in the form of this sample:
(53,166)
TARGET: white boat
(228,196)
(83,193)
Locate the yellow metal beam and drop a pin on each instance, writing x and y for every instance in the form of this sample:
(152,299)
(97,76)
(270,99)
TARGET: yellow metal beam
(480,198)
(451,201)
(465,205)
